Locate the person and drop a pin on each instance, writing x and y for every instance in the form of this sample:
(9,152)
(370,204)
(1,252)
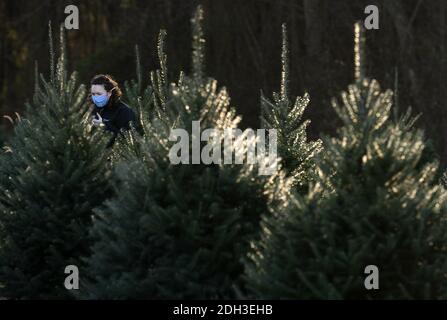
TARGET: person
(109,111)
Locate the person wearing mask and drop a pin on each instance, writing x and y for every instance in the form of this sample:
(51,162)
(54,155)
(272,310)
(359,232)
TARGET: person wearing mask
(109,111)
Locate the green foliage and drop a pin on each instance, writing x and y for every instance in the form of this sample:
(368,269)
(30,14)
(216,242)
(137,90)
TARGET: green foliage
(139,97)
(297,153)
(148,102)
(198,45)
(179,231)
(139,226)
(52,174)
(374,204)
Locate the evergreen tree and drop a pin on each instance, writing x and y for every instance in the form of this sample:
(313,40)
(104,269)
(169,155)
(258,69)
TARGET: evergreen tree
(138,96)
(297,153)
(52,173)
(149,101)
(376,202)
(180,230)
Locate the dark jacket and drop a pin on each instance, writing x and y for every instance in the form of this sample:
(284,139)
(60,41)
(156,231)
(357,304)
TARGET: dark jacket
(115,117)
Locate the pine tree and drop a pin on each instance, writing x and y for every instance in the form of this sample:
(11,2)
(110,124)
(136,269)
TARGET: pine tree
(53,172)
(180,231)
(149,102)
(376,202)
(297,153)
(151,98)
(138,96)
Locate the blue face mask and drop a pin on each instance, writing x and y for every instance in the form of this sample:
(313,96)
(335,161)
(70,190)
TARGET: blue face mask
(101,100)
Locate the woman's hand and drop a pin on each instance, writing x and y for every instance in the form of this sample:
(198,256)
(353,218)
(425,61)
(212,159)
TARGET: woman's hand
(98,122)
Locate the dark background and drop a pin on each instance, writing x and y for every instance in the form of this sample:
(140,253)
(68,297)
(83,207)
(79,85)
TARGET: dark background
(243,49)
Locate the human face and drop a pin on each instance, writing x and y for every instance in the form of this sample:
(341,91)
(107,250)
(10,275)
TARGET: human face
(98,89)
(100,96)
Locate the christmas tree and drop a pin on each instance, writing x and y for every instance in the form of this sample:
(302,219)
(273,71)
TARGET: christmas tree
(284,115)
(53,172)
(376,203)
(148,101)
(180,230)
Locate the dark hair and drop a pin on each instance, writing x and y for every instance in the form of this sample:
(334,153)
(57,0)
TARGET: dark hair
(109,84)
